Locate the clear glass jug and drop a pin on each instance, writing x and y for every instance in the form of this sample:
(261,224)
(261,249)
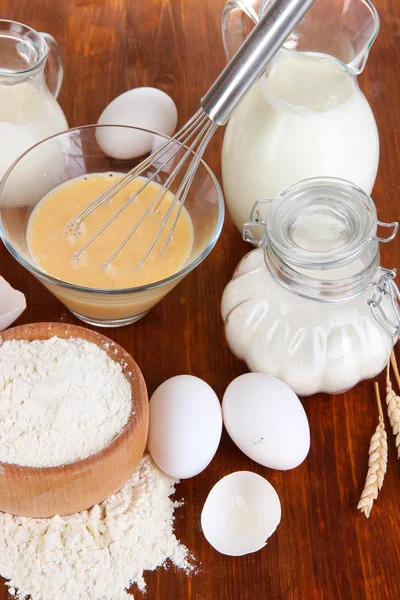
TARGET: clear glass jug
(306,116)
(29,111)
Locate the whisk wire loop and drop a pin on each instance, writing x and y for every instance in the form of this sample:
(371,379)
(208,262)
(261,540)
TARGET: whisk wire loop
(200,121)
(193,124)
(183,187)
(189,180)
(155,203)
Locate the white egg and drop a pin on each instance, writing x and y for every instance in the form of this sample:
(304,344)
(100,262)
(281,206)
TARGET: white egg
(267,421)
(241,512)
(144,107)
(12,304)
(185,426)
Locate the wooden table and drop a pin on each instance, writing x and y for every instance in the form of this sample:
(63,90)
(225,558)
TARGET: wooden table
(324,548)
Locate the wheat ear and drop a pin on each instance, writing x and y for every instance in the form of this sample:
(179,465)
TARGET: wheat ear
(377,463)
(393,402)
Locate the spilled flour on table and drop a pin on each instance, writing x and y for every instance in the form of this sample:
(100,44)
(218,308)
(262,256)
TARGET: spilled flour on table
(96,554)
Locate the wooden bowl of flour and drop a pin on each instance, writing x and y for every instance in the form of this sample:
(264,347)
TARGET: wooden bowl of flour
(49,491)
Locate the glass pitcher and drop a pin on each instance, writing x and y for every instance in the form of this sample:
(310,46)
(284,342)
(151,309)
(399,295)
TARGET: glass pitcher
(306,116)
(29,111)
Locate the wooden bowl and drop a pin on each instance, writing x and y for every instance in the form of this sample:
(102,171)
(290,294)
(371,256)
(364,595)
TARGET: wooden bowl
(45,492)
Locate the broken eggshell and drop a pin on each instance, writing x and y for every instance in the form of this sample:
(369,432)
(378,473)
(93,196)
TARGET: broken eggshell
(12,304)
(241,512)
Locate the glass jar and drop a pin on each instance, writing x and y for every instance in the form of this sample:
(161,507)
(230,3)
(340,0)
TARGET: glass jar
(311,305)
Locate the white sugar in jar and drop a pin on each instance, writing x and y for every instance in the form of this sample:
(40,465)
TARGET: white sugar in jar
(311,305)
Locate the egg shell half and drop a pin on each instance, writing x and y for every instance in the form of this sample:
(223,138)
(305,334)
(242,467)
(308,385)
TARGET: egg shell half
(185,426)
(267,421)
(144,107)
(241,512)
(12,304)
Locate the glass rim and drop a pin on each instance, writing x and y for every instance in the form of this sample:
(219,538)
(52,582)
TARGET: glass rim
(43,50)
(365,211)
(105,291)
(351,66)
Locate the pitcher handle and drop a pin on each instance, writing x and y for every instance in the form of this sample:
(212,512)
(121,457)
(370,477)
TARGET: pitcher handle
(55,71)
(234,18)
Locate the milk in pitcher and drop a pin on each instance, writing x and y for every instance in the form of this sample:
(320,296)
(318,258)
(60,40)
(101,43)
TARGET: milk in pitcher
(27,116)
(307,117)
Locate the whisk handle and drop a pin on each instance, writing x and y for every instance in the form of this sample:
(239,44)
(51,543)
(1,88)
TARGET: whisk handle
(252,58)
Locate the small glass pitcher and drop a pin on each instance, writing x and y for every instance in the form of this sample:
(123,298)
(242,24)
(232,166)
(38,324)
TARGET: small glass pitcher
(29,111)
(306,117)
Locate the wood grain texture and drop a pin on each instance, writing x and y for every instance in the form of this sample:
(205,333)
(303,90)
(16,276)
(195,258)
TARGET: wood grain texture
(324,548)
(46,492)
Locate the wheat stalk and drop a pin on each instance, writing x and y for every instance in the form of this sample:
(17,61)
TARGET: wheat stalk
(393,402)
(377,463)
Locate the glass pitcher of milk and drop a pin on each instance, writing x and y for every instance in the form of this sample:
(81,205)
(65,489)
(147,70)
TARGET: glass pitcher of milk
(306,116)
(30,79)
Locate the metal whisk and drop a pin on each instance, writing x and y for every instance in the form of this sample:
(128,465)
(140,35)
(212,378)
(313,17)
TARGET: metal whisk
(251,60)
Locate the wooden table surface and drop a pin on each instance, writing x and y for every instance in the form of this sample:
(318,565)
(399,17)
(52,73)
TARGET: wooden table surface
(324,548)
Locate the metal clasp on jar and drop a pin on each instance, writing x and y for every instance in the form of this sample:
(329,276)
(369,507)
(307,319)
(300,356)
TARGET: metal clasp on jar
(385,286)
(256,221)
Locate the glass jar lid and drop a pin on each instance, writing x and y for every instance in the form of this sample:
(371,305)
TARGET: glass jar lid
(322,223)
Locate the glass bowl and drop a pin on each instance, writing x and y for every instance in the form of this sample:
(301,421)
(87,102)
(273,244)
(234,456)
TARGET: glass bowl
(76,153)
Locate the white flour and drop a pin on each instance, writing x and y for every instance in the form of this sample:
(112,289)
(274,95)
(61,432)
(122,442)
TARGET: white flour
(60,401)
(96,554)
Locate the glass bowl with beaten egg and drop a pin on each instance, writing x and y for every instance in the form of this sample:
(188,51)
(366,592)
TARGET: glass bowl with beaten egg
(92,260)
